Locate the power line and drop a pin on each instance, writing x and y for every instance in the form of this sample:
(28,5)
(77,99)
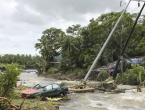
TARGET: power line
(119,7)
(134,9)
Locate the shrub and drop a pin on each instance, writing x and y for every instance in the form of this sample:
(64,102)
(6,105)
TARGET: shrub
(80,73)
(133,76)
(9,79)
(103,75)
(121,78)
(52,70)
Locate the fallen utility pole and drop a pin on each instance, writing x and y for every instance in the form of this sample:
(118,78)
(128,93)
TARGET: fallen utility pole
(118,61)
(105,44)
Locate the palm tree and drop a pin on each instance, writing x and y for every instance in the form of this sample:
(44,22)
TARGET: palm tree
(69,46)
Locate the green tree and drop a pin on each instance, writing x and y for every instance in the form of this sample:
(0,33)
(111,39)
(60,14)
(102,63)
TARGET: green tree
(69,46)
(39,64)
(74,30)
(49,45)
(9,80)
(141,47)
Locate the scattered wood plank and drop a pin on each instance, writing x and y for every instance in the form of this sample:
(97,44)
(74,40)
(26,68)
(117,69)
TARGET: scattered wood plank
(82,90)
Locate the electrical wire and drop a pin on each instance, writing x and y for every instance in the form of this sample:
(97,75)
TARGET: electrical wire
(134,9)
(119,7)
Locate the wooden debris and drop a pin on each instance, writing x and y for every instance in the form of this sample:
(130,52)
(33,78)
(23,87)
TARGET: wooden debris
(139,89)
(11,105)
(53,99)
(80,90)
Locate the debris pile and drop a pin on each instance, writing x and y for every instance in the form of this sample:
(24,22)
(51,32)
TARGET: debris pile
(82,87)
(109,86)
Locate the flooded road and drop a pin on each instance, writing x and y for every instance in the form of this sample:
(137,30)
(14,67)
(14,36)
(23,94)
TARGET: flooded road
(130,100)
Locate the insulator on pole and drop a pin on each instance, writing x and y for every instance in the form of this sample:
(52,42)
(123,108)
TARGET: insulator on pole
(138,4)
(120,3)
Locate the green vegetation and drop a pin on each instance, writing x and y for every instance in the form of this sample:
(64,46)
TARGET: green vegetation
(53,70)
(134,76)
(35,104)
(103,75)
(9,80)
(79,46)
(79,73)
(24,61)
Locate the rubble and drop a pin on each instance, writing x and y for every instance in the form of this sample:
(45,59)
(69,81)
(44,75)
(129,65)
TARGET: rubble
(109,86)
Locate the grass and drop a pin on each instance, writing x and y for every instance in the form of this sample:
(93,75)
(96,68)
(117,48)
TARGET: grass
(34,104)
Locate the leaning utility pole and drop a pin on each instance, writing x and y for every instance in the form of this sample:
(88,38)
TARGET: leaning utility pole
(105,44)
(118,61)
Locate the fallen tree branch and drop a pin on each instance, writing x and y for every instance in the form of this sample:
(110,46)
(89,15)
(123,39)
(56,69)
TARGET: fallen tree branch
(3,98)
(22,104)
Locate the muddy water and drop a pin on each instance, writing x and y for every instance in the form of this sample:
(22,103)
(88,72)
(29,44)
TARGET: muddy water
(130,100)
(30,78)
(105,101)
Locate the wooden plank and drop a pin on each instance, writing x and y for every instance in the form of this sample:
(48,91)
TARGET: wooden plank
(86,89)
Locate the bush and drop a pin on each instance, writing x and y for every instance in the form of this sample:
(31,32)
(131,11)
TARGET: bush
(121,79)
(133,76)
(52,70)
(80,73)
(9,80)
(103,75)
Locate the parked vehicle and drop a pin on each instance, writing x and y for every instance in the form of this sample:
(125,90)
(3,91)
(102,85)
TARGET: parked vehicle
(45,90)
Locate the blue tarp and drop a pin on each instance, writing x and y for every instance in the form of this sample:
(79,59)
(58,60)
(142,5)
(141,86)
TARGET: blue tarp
(110,66)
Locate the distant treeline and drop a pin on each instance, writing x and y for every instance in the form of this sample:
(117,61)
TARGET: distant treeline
(25,61)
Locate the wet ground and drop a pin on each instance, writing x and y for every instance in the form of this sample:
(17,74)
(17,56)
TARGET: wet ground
(130,100)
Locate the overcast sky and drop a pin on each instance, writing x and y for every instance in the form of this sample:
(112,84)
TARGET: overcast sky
(23,21)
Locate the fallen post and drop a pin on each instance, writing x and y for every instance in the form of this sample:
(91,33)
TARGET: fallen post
(82,90)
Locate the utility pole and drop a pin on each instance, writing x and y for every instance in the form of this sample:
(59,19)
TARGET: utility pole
(105,44)
(118,61)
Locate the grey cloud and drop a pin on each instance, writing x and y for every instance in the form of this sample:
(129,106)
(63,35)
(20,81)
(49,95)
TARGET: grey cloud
(69,10)
(4,40)
(23,15)
(21,27)
(16,45)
